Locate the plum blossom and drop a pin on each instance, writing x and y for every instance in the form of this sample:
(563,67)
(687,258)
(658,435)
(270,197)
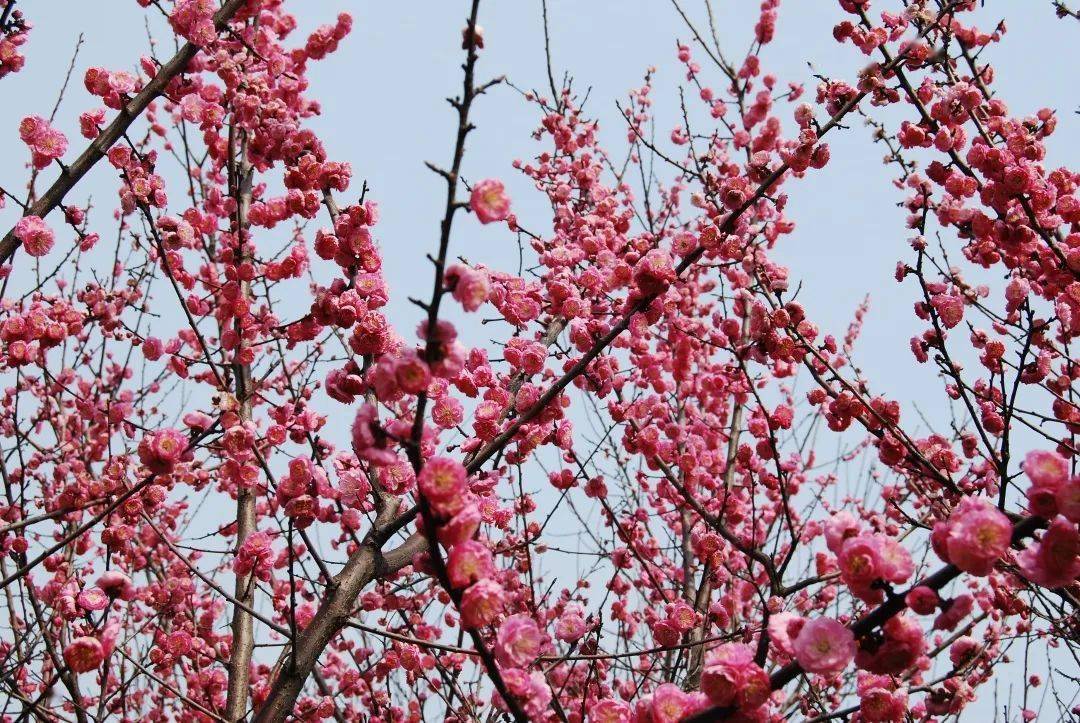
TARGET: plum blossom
(731,677)
(468,286)
(35,235)
(481,603)
(669,704)
(93,599)
(783,629)
(824,646)
(1048,472)
(442,481)
(531,688)
(900,645)
(571,626)
(489,201)
(922,600)
(194,19)
(46,143)
(368,438)
(84,654)
(255,556)
(116,584)
(976,536)
(839,528)
(468,562)
(609,711)
(519,641)
(1054,561)
(160,451)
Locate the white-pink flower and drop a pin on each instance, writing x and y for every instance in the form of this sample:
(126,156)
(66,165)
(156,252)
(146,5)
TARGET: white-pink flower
(824,646)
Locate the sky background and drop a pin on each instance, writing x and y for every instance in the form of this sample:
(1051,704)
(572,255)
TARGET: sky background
(384,110)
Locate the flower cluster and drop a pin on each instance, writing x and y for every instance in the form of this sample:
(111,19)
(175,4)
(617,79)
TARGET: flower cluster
(35,235)
(45,142)
(12,37)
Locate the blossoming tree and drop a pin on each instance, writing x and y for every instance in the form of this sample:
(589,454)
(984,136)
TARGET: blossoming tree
(187,534)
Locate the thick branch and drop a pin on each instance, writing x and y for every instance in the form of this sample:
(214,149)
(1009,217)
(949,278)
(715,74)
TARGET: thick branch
(243,642)
(367,564)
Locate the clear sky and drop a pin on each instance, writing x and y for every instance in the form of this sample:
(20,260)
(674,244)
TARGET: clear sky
(384,111)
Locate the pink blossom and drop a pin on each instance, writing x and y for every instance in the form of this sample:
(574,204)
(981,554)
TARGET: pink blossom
(665,634)
(448,412)
(730,676)
(161,450)
(115,584)
(468,286)
(468,562)
(302,510)
(922,600)
(654,272)
(654,315)
(1045,468)
(950,309)
(669,704)
(368,439)
(783,629)
(442,481)
(953,612)
(46,143)
(83,654)
(411,372)
(11,60)
(481,603)
(93,598)
(35,235)
(519,641)
(90,123)
(194,19)
(880,705)
(31,128)
(570,626)
(841,526)
(489,201)
(1055,560)
(896,563)
(1048,472)
(963,650)
(152,348)
(178,643)
(901,645)
(462,526)
(254,556)
(1068,499)
(824,646)
(861,565)
(978,535)
(531,689)
(198,421)
(609,711)
(681,615)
